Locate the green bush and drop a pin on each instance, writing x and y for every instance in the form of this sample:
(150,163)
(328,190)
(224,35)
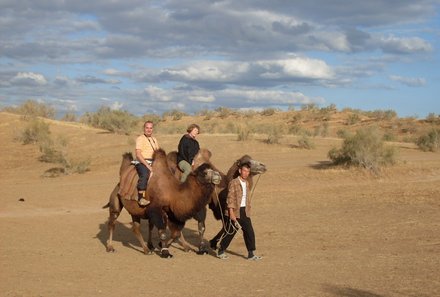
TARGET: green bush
(429,141)
(364,149)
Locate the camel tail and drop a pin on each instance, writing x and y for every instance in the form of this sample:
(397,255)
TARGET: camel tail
(107,205)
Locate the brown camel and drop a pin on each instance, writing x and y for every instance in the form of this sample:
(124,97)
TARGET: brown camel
(217,203)
(169,199)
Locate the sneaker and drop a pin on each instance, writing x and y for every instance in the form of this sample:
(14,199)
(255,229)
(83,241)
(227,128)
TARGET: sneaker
(143,202)
(255,258)
(222,255)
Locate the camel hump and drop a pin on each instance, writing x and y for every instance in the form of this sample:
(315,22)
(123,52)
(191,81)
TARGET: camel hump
(160,153)
(172,157)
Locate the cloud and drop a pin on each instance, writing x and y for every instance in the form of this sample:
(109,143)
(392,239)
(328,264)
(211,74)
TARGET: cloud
(29,79)
(409,81)
(181,53)
(259,73)
(89,79)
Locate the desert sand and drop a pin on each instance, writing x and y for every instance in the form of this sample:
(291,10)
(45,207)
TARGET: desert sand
(322,231)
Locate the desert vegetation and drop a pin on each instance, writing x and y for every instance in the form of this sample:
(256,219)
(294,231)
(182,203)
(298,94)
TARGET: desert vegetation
(363,133)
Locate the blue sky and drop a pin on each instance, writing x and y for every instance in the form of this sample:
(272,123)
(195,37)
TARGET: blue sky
(155,56)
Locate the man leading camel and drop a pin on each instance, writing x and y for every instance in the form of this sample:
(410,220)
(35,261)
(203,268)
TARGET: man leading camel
(146,144)
(238,214)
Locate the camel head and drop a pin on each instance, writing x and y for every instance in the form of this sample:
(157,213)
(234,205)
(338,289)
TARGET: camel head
(256,166)
(205,174)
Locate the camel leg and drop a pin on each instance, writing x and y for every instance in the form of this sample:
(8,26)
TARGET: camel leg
(114,212)
(156,216)
(176,234)
(201,217)
(150,232)
(137,232)
(111,228)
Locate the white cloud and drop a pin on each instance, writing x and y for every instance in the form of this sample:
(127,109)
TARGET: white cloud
(116,105)
(409,81)
(29,79)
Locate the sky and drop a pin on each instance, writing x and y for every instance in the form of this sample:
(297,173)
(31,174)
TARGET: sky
(191,55)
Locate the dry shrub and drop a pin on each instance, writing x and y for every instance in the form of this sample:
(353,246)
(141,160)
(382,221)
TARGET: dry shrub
(56,152)
(429,141)
(116,121)
(36,131)
(305,143)
(69,117)
(224,112)
(32,108)
(353,118)
(268,112)
(274,135)
(243,133)
(364,149)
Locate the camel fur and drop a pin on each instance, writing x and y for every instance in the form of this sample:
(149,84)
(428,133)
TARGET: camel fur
(168,199)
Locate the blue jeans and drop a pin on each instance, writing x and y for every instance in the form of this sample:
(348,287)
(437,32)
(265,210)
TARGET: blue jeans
(144,175)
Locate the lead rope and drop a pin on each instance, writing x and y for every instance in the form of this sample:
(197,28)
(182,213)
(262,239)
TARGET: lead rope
(234,228)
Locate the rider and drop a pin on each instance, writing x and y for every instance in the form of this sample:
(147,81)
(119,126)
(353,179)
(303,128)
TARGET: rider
(146,144)
(187,149)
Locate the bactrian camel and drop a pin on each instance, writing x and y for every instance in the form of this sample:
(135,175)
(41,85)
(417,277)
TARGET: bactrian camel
(169,200)
(222,192)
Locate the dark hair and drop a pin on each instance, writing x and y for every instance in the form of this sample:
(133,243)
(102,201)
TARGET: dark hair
(192,127)
(245,164)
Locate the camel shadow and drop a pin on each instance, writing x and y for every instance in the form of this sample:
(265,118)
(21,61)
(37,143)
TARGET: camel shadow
(348,292)
(124,235)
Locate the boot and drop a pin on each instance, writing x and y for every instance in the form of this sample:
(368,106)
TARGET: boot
(141,199)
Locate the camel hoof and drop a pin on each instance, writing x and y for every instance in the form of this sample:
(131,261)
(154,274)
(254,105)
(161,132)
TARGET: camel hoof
(110,249)
(150,246)
(148,252)
(165,253)
(202,252)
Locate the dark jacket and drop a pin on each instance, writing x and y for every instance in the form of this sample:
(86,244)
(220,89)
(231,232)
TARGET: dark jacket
(187,149)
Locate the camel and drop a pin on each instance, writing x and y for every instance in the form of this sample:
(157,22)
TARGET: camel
(170,200)
(217,203)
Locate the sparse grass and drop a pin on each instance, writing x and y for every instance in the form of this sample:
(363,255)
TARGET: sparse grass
(364,149)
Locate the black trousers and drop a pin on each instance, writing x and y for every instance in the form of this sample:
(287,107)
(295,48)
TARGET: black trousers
(144,174)
(247,229)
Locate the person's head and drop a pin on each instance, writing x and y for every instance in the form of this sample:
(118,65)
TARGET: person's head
(148,128)
(193,130)
(244,170)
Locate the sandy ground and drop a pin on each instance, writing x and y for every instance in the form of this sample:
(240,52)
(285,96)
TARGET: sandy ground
(321,231)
